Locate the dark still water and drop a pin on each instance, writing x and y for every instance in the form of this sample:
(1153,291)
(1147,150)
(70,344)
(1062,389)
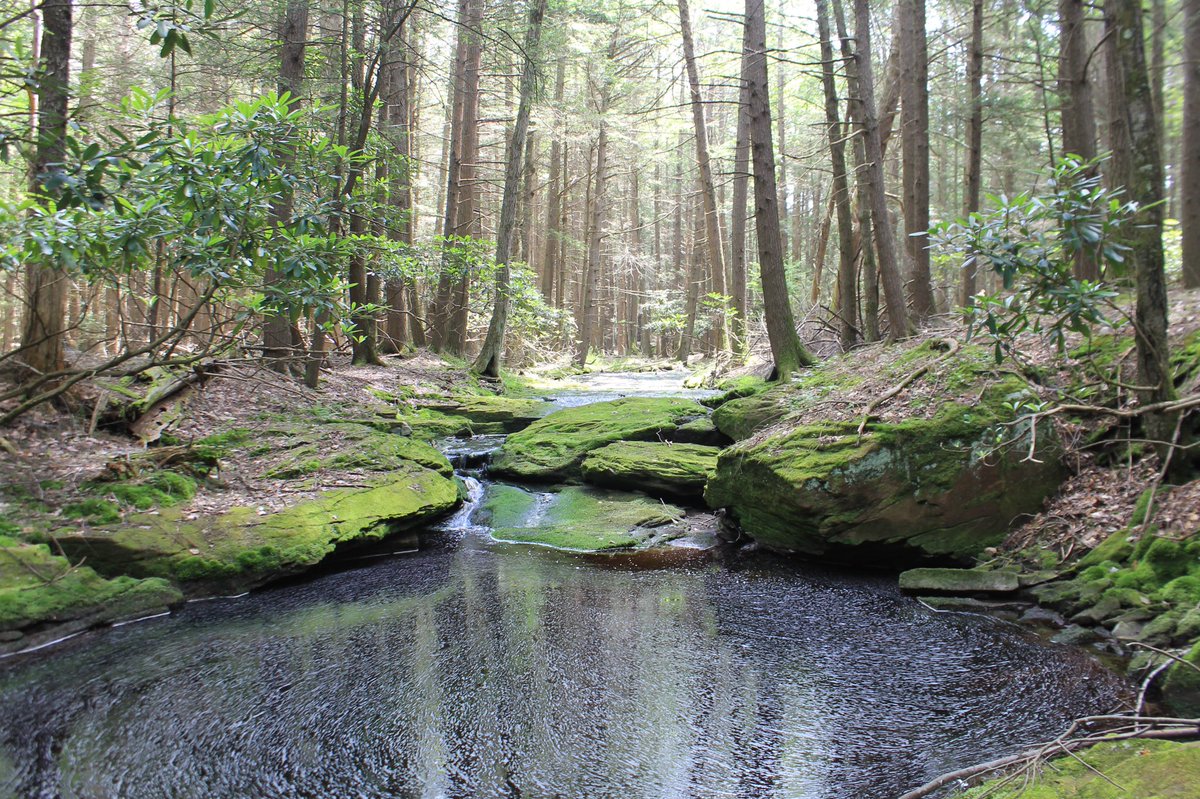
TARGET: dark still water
(481,670)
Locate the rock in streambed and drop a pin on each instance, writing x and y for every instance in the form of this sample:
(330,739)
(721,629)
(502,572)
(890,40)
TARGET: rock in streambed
(553,448)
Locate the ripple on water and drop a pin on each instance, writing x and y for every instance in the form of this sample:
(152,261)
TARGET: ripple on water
(481,670)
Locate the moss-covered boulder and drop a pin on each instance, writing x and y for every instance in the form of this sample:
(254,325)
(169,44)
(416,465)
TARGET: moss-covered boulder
(921,487)
(657,468)
(491,414)
(577,518)
(958,581)
(1112,770)
(357,448)
(552,448)
(43,595)
(742,417)
(1181,689)
(243,548)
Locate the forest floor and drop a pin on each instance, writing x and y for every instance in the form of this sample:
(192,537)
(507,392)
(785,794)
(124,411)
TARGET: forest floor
(54,455)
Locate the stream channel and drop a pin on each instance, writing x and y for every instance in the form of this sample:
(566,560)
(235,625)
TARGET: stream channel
(475,668)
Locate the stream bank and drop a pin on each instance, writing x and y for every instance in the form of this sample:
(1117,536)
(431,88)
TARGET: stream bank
(935,480)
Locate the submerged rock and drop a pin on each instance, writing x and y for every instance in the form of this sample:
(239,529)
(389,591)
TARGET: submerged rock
(553,448)
(577,518)
(922,487)
(657,468)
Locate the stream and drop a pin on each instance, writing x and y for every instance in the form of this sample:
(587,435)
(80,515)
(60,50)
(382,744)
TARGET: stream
(473,668)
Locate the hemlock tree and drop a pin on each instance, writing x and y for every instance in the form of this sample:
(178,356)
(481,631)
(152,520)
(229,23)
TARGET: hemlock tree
(786,350)
(1130,84)
(45,324)
(492,352)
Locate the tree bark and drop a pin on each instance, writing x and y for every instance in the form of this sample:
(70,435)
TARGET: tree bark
(1131,85)
(44,329)
(885,247)
(841,189)
(491,355)
(787,351)
(277,327)
(1189,193)
(914,142)
(1078,111)
(737,224)
(973,177)
(553,194)
(589,295)
(712,220)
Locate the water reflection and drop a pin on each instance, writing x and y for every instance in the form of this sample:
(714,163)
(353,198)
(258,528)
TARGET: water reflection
(482,670)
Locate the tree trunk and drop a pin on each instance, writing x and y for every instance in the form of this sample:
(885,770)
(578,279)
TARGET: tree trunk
(591,282)
(914,142)
(1131,85)
(973,178)
(712,220)
(864,244)
(44,329)
(841,190)
(1078,113)
(1189,190)
(787,351)
(737,223)
(885,246)
(277,327)
(491,354)
(553,196)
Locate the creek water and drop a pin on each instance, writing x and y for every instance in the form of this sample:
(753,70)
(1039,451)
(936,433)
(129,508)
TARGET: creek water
(478,669)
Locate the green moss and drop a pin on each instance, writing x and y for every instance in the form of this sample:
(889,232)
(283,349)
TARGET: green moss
(1183,590)
(574,518)
(362,449)
(1181,689)
(37,587)
(1115,770)
(937,486)
(240,548)
(97,511)
(553,447)
(1114,548)
(1185,359)
(1166,558)
(676,470)
(159,489)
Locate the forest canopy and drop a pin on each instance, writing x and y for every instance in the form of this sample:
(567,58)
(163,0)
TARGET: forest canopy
(518,182)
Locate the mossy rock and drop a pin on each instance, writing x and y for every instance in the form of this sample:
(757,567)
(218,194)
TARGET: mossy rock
(43,596)
(1111,770)
(576,518)
(657,468)
(742,418)
(924,487)
(493,414)
(1181,689)
(553,447)
(958,581)
(241,549)
(733,388)
(701,431)
(364,450)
